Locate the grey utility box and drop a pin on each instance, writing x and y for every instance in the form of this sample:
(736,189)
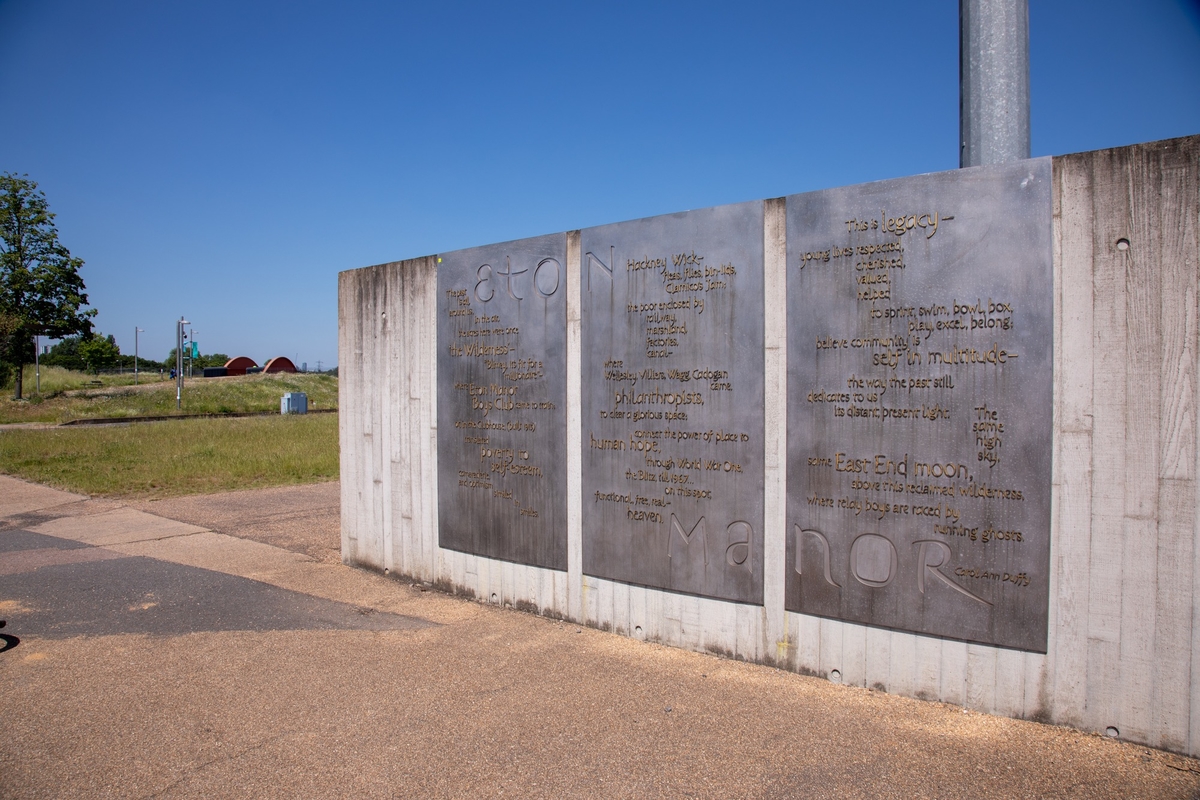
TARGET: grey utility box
(294,403)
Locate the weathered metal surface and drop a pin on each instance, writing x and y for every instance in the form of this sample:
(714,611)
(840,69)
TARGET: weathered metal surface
(919,403)
(672,371)
(502,386)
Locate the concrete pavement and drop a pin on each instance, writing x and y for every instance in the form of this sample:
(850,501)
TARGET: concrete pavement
(216,647)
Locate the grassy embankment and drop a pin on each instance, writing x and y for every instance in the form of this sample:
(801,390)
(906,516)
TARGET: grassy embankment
(69,395)
(162,459)
(56,380)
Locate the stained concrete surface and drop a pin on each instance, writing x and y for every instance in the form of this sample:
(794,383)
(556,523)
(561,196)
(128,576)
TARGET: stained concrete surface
(257,683)
(305,519)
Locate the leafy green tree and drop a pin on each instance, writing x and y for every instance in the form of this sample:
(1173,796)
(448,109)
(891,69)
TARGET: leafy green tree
(212,360)
(98,352)
(41,291)
(199,362)
(125,361)
(8,328)
(65,354)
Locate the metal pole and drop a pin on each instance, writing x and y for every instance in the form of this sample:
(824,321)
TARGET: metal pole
(37,364)
(136,331)
(179,362)
(993,81)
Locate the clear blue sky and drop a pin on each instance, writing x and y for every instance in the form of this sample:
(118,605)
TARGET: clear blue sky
(225,160)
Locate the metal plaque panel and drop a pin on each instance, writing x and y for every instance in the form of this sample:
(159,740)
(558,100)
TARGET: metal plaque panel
(502,399)
(673,402)
(919,403)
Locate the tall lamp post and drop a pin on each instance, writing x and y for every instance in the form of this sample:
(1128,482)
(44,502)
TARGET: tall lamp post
(179,362)
(136,331)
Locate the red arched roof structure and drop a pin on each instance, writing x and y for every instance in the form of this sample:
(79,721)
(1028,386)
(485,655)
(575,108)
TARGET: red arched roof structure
(239,365)
(280,364)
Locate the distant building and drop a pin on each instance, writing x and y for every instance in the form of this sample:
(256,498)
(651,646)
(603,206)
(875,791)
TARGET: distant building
(280,364)
(239,365)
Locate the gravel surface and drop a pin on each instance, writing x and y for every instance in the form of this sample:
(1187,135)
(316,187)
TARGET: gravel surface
(475,701)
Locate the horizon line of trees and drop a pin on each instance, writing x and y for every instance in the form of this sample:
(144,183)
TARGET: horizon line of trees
(96,353)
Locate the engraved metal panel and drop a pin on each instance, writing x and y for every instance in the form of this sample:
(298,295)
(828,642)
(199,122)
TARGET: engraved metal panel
(672,367)
(502,398)
(919,403)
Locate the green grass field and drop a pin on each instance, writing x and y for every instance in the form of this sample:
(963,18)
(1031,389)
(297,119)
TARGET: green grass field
(56,380)
(162,459)
(68,395)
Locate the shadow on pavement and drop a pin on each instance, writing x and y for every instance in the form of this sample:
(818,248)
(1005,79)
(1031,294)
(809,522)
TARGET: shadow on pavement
(9,641)
(54,591)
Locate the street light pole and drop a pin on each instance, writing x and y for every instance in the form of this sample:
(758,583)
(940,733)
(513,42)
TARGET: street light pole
(179,362)
(136,331)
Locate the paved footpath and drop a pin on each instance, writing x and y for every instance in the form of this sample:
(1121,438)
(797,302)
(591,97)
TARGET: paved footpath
(216,647)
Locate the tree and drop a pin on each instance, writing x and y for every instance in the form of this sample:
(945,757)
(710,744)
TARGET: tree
(8,328)
(211,360)
(41,291)
(65,354)
(199,362)
(99,353)
(125,362)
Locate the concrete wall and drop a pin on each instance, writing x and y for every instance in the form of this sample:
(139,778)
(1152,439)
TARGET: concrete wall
(1125,547)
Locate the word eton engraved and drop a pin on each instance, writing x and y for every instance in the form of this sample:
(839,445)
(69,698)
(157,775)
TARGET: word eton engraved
(502,401)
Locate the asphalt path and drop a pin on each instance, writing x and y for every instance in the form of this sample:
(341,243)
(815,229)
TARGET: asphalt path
(216,647)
